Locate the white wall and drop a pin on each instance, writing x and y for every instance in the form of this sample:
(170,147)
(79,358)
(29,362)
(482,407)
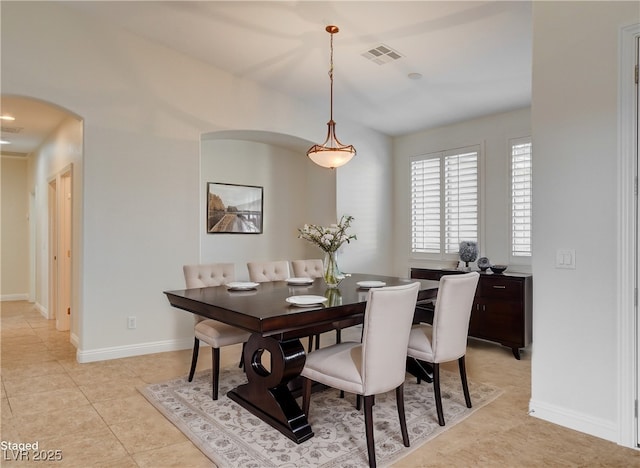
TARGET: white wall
(575,375)
(295,192)
(15,230)
(492,133)
(144,109)
(365,191)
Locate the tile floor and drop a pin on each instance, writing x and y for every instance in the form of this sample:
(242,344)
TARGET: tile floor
(94,415)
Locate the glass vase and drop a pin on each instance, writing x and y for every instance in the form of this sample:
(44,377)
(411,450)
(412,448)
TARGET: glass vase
(332,274)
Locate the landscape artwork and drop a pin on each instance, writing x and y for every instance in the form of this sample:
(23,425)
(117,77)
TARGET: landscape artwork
(235,209)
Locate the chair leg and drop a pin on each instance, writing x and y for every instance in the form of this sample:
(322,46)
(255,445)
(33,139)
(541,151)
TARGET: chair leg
(310,346)
(338,335)
(358,400)
(194,358)
(436,392)
(368,424)
(215,370)
(465,385)
(401,415)
(306,395)
(318,341)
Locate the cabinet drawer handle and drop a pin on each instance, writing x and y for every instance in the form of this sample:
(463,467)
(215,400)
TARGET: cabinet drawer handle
(499,287)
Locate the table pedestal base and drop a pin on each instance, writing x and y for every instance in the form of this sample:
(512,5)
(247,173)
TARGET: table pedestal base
(266,394)
(420,369)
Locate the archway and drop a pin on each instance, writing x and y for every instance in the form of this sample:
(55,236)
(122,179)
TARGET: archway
(48,140)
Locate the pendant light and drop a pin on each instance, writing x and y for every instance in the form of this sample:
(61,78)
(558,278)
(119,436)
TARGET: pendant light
(331,153)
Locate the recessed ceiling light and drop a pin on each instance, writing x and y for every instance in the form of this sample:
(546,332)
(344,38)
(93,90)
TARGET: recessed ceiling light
(5,142)
(414,76)
(7,117)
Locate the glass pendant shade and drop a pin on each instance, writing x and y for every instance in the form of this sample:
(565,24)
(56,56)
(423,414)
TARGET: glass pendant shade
(331,153)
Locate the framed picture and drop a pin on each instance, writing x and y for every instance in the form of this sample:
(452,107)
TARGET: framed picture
(234,209)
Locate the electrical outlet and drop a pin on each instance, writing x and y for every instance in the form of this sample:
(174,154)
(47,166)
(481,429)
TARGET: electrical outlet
(131,322)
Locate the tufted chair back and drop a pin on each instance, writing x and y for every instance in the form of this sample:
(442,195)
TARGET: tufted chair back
(308,268)
(261,272)
(205,275)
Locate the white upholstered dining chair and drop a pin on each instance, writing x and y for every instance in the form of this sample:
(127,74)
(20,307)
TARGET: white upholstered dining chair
(446,339)
(261,272)
(215,334)
(377,364)
(312,268)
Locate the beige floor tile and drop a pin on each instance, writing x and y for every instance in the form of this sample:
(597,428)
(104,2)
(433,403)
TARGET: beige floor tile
(17,370)
(98,375)
(5,409)
(42,383)
(115,389)
(54,400)
(103,400)
(125,409)
(68,421)
(86,449)
(8,430)
(177,455)
(147,433)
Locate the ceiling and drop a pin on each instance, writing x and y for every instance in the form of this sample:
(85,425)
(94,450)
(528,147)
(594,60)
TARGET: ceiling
(474,57)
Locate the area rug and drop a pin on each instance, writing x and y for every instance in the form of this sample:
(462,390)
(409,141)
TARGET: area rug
(232,437)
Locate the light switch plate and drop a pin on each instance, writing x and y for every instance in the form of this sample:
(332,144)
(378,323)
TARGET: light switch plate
(566,258)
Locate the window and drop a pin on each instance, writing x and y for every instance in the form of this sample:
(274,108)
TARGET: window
(444,201)
(521,197)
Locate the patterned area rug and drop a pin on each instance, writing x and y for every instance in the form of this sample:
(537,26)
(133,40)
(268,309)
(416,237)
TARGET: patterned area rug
(232,437)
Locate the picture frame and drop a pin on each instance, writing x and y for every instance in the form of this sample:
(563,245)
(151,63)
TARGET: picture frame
(234,209)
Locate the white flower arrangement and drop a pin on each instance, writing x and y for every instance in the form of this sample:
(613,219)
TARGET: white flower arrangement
(329,239)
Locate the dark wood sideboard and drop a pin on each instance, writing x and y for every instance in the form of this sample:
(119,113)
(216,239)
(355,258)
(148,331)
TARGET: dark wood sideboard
(502,307)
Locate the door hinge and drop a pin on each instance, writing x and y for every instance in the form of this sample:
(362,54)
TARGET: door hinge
(68,310)
(635,405)
(636,74)
(635,297)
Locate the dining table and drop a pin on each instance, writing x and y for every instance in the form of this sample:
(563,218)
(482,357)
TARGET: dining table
(277,315)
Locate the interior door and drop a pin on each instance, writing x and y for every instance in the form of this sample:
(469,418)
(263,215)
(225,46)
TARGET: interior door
(63,318)
(52,304)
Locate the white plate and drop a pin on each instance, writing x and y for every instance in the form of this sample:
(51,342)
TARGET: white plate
(371,284)
(306,301)
(299,280)
(241,285)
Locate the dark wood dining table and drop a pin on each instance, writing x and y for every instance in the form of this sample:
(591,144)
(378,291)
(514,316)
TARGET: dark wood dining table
(277,327)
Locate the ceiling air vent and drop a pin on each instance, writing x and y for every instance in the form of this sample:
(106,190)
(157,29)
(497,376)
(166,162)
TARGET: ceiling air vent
(382,54)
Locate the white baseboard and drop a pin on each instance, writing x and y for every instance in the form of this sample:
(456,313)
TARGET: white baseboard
(573,420)
(116,352)
(15,297)
(43,310)
(75,341)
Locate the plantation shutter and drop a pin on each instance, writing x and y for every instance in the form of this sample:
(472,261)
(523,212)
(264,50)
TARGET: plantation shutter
(461,200)
(425,205)
(521,198)
(444,201)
